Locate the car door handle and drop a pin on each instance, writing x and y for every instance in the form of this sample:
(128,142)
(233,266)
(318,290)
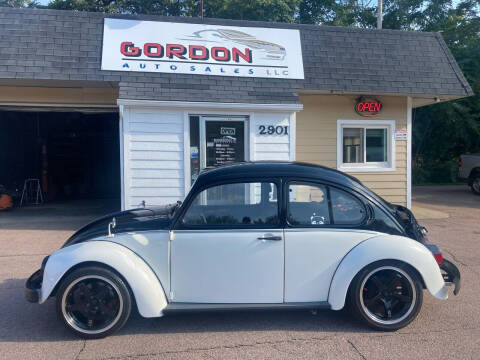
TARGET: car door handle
(270,237)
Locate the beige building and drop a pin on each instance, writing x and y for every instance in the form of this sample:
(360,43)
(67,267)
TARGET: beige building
(133,108)
(323,139)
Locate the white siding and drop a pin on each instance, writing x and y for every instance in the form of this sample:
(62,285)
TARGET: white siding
(153,156)
(271,147)
(156,145)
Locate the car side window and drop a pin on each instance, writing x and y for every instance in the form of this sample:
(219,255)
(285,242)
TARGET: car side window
(307,205)
(346,209)
(320,205)
(246,204)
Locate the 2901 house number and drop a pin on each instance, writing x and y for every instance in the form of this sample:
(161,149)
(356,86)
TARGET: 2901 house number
(273,130)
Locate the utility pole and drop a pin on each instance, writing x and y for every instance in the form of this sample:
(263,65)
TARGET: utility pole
(201,9)
(379,14)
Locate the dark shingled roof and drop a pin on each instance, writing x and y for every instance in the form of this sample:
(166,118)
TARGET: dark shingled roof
(66,45)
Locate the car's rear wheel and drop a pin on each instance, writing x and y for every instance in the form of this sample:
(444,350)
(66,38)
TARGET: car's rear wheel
(386,295)
(93,302)
(476,185)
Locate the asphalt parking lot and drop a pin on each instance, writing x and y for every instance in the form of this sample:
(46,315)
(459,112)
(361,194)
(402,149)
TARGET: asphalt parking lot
(443,330)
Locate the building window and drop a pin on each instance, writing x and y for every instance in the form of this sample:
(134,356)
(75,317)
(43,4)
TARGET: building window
(365,145)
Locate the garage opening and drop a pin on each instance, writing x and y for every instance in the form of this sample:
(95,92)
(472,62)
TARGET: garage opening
(74,155)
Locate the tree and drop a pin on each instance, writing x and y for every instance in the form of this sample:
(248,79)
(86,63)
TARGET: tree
(444,131)
(264,10)
(402,14)
(155,7)
(18,3)
(107,6)
(338,12)
(260,10)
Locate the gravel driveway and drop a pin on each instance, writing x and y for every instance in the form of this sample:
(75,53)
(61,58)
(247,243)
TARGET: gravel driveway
(443,330)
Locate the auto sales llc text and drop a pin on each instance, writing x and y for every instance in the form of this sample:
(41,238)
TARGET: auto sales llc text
(205,69)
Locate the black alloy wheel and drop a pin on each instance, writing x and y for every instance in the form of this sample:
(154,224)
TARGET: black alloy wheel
(386,295)
(93,302)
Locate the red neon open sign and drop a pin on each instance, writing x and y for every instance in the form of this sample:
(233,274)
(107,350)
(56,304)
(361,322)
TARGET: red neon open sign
(367,107)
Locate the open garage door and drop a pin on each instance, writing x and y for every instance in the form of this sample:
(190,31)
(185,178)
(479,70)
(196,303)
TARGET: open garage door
(74,154)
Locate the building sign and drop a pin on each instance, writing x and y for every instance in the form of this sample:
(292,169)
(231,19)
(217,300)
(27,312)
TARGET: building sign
(368,107)
(223,147)
(165,47)
(273,130)
(227,131)
(401,134)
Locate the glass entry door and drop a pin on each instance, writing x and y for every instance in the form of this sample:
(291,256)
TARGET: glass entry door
(222,141)
(216,141)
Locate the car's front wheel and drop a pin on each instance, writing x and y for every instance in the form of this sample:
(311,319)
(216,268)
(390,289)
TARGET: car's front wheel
(93,302)
(386,295)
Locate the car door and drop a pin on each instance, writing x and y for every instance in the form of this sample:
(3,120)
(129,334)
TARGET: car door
(321,230)
(228,246)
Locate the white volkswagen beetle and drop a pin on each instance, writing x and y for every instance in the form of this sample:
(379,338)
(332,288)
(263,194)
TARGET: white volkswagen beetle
(248,236)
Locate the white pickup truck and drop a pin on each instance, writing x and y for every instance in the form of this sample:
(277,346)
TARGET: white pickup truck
(469,168)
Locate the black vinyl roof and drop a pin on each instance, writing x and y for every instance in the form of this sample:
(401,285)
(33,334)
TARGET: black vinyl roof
(251,171)
(259,169)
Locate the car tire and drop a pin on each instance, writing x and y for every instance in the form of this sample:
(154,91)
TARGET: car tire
(93,302)
(386,295)
(475,185)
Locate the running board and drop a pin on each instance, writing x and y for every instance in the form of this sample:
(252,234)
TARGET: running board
(185,307)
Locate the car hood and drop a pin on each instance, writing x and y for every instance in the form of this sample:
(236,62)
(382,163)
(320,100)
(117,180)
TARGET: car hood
(142,219)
